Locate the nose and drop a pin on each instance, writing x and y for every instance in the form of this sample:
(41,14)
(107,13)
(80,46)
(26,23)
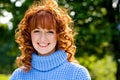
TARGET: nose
(43,37)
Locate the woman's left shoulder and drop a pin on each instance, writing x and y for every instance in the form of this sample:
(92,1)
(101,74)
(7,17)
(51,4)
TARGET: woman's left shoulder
(77,66)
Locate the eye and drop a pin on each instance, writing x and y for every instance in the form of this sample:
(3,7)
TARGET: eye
(36,31)
(50,31)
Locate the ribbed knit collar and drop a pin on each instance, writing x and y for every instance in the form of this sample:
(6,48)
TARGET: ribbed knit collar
(46,63)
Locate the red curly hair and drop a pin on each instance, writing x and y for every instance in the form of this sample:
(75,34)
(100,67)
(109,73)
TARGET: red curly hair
(57,18)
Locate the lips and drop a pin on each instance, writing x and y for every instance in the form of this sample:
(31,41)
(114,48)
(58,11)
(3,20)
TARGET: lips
(43,45)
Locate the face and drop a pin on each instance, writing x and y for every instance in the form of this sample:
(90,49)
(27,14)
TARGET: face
(44,41)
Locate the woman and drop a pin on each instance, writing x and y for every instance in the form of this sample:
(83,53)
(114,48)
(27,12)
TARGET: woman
(47,46)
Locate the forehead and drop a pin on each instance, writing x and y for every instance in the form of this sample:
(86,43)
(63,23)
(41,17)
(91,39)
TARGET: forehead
(43,19)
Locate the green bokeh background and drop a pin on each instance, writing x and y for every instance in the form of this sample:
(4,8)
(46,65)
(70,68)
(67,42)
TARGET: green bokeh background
(96,23)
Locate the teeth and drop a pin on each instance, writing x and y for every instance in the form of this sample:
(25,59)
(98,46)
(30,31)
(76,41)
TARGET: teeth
(42,45)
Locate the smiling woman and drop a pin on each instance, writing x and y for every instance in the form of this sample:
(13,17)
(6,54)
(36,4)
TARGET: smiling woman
(47,45)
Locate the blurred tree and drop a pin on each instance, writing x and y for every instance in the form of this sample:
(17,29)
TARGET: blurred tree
(9,49)
(96,23)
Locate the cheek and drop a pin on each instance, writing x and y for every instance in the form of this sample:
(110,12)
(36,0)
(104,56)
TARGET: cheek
(33,38)
(54,39)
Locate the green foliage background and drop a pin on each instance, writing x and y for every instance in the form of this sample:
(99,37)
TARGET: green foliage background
(97,39)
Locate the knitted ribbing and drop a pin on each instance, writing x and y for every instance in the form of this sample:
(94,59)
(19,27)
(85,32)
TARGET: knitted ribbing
(52,67)
(45,63)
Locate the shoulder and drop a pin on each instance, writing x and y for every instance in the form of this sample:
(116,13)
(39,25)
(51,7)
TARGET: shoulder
(80,72)
(78,66)
(17,74)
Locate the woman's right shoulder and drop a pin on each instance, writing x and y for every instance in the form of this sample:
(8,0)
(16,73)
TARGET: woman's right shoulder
(17,73)
(19,70)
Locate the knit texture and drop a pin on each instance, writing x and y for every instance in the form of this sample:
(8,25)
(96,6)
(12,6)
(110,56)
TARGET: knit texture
(52,67)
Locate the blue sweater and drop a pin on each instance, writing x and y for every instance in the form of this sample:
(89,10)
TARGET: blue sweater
(52,67)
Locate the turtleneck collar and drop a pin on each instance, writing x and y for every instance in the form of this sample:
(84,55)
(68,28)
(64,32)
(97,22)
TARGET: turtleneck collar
(46,63)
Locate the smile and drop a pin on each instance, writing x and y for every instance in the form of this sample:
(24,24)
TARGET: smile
(43,45)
